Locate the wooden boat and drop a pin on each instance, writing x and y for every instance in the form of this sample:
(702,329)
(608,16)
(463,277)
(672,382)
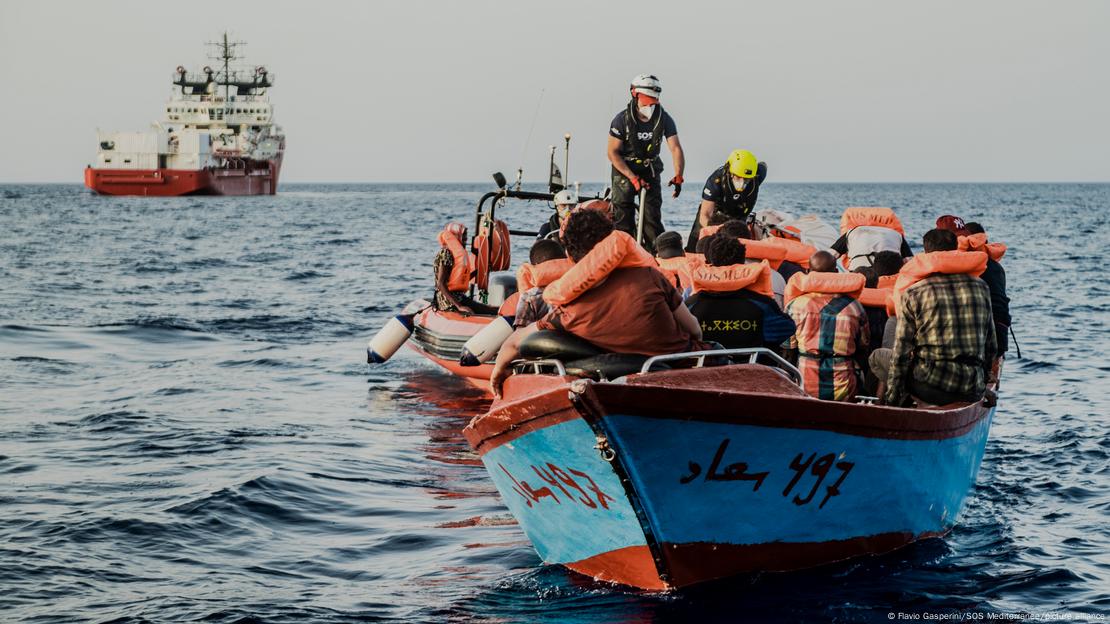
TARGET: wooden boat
(664,479)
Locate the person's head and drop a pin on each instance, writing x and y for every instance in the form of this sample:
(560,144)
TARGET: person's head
(974,228)
(868,274)
(645,90)
(703,244)
(669,245)
(585,228)
(724,251)
(953,224)
(457,230)
(565,201)
(544,250)
(822,262)
(735,228)
(742,167)
(887,263)
(939,240)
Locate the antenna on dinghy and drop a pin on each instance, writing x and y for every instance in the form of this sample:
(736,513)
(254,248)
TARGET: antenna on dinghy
(524,152)
(566,159)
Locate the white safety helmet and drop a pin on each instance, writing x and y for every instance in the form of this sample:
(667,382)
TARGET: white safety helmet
(647,84)
(565,197)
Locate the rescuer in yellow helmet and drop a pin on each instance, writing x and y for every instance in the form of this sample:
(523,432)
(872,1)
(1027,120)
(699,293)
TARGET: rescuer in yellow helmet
(732,189)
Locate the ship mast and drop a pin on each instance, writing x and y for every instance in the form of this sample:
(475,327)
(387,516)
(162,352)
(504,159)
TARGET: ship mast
(226,55)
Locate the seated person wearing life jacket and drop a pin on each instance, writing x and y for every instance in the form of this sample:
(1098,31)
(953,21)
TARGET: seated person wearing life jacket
(613,297)
(757,250)
(833,333)
(547,262)
(945,343)
(672,259)
(867,231)
(565,201)
(732,300)
(973,237)
(880,282)
(454,267)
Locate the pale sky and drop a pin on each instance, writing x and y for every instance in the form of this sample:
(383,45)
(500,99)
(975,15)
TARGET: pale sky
(446,91)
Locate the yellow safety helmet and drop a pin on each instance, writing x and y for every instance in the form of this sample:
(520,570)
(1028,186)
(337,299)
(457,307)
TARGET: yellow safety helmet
(742,164)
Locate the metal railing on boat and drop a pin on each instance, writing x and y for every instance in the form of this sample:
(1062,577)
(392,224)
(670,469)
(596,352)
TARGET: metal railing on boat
(753,354)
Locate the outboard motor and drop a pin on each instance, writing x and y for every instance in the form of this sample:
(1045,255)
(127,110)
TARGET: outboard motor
(389,338)
(485,344)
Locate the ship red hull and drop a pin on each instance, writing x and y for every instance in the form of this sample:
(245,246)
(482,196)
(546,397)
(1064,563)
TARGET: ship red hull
(258,178)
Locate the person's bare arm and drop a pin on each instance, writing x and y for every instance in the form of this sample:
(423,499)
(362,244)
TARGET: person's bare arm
(677,155)
(616,159)
(687,320)
(706,212)
(509,351)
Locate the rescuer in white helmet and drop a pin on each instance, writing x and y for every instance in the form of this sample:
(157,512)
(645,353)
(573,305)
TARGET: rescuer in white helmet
(565,201)
(636,138)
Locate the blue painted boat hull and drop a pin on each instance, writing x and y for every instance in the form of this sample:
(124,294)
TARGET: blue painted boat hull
(691,484)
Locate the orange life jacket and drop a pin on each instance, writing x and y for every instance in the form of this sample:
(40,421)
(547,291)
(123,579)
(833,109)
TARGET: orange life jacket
(796,251)
(508,306)
(859,216)
(616,251)
(790,233)
(767,249)
(753,277)
(923,265)
(978,242)
(677,268)
(877,297)
(463,262)
(850,284)
(530,276)
(492,253)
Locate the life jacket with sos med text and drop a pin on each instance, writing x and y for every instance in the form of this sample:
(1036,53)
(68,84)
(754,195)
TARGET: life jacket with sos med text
(753,277)
(869,230)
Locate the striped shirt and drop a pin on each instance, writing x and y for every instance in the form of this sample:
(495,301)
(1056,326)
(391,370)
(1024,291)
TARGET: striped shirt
(945,338)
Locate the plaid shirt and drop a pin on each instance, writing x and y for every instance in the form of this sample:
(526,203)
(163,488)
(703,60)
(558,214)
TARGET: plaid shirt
(945,337)
(831,329)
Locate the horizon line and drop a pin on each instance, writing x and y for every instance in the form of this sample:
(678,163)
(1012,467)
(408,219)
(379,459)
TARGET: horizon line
(429,183)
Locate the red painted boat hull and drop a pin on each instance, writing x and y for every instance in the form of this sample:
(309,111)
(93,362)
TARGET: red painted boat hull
(257,178)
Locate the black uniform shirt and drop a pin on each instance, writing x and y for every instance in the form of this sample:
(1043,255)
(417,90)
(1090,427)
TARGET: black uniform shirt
(718,189)
(642,128)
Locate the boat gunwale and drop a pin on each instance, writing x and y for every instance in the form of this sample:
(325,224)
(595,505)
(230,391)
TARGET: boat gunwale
(510,419)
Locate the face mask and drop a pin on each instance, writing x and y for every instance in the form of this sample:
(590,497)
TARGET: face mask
(739,183)
(647,111)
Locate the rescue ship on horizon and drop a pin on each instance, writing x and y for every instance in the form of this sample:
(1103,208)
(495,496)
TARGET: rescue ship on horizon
(217,137)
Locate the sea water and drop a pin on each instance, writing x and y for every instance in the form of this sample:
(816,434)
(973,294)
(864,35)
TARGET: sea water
(189,430)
